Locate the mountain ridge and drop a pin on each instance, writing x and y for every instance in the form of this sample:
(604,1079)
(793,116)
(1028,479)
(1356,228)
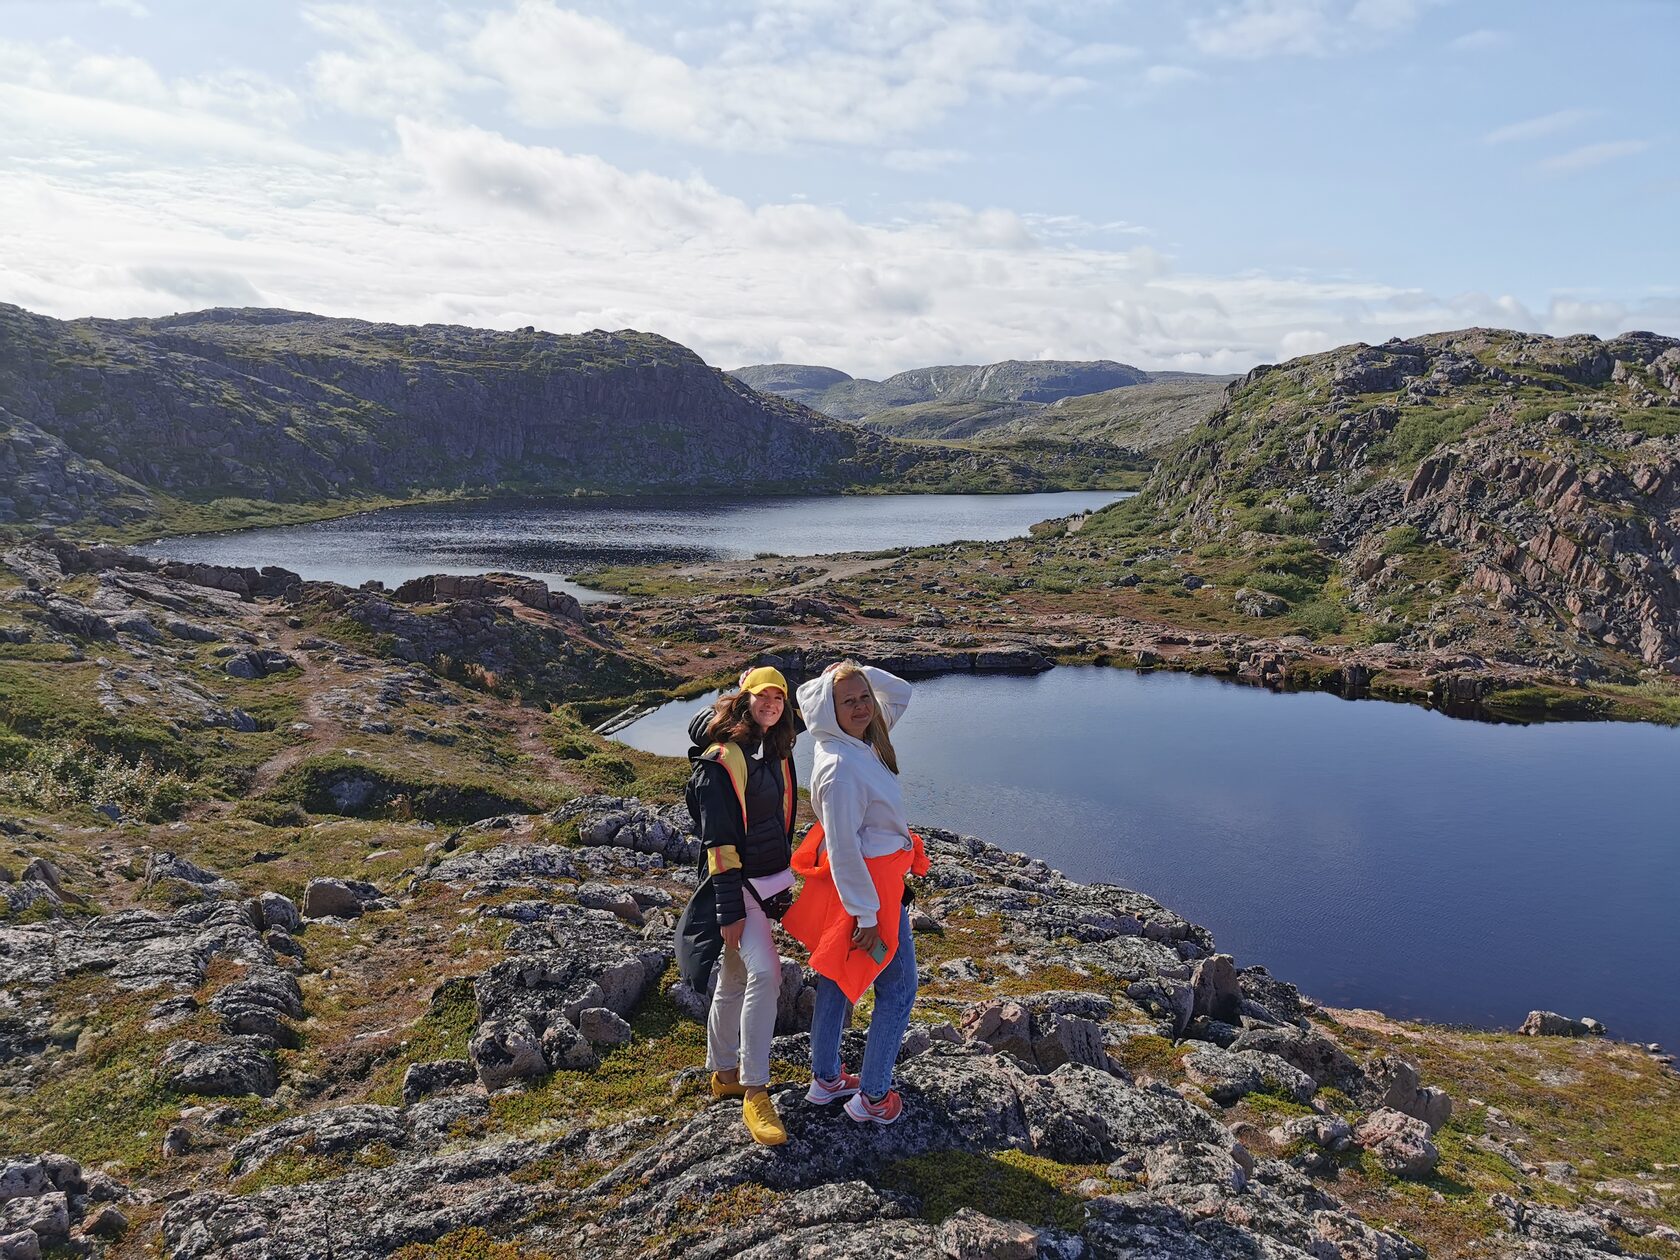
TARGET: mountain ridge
(120,421)
(1007,399)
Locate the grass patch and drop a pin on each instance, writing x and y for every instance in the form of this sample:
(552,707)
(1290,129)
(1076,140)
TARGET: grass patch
(354,786)
(472,1243)
(441,1033)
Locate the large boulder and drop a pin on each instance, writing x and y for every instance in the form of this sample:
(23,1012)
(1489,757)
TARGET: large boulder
(423,1079)
(239,1065)
(1551,1024)
(1215,989)
(341,898)
(1400,1143)
(1393,1083)
(1312,1052)
(1172,1001)
(1041,1039)
(506,1050)
(260,1002)
(1229,1075)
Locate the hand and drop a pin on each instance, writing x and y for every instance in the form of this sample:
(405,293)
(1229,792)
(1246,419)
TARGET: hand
(732,933)
(866,938)
(742,680)
(829,669)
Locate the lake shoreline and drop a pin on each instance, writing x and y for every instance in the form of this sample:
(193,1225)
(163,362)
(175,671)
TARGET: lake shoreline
(272,515)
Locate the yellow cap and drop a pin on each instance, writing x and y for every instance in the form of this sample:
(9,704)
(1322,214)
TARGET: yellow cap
(763,678)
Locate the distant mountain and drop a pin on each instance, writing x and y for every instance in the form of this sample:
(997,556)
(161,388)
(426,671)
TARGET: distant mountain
(1015,380)
(119,421)
(798,381)
(1145,417)
(1015,397)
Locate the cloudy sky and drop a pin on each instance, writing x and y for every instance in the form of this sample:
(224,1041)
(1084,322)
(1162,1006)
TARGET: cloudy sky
(869,184)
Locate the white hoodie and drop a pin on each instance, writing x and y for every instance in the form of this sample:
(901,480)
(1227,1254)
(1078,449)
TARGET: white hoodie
(854,795)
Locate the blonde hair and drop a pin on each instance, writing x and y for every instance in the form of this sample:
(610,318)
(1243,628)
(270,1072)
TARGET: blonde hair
(876,735)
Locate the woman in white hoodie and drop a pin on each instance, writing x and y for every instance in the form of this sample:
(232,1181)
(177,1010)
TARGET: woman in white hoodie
(855,795)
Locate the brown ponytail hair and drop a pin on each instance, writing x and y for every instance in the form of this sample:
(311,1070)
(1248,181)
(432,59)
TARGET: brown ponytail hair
(732,721)
(876,735)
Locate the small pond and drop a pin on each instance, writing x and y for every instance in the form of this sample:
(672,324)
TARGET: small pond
(1377,855)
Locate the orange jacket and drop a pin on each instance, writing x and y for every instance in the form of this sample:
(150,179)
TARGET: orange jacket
(819,922)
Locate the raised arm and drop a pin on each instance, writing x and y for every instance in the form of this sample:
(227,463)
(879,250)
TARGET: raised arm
(892,693)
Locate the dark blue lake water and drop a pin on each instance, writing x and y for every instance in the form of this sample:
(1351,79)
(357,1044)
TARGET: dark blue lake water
(553,540)
(1375,854)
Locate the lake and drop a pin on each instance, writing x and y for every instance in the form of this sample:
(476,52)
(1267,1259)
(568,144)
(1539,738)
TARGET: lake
(1377,855)
(553,539)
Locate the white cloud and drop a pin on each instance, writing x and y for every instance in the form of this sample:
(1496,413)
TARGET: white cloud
(127,192)
(197,286)
(1588,156)
(774,88)
(1538,128)
(462,225)
(381,72)
(1252,29)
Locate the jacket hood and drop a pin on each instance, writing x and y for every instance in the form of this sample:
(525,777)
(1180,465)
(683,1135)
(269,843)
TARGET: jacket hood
(816,707)
(698,743)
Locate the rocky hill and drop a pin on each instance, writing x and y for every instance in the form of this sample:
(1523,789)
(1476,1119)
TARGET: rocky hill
(1502,491)
(322,934)
(113,421)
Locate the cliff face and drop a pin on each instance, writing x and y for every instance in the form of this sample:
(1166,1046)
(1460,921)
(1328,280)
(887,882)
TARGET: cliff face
(1483,486)
(287,407)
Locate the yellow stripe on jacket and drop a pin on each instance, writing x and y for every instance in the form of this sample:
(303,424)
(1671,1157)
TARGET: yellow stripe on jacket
(721,858)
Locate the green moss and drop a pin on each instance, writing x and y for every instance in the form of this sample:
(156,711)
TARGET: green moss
(632,1079)
(108,1101)
(299,1166)
(610,769)
(1011,1185)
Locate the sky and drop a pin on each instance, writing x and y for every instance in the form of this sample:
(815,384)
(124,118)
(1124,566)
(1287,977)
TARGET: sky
(873,185)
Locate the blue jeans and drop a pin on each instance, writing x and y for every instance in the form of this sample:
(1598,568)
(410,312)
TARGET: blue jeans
(895,992)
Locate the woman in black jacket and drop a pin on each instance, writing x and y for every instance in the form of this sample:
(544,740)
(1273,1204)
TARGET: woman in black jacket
(742,794)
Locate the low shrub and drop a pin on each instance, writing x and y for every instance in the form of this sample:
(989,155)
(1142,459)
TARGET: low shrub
(63,773)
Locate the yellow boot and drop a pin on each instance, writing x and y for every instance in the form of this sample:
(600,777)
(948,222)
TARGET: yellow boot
(762,1121)
(727,1089)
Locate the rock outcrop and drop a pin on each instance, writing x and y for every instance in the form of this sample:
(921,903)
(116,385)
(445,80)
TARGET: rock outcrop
(1466,487)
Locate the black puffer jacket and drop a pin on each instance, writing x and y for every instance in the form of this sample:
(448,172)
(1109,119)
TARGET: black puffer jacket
(764,846)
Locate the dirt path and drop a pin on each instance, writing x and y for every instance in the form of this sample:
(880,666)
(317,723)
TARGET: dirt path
(325,730)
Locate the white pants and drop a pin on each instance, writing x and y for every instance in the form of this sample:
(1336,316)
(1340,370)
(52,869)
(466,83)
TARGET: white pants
(743,1015)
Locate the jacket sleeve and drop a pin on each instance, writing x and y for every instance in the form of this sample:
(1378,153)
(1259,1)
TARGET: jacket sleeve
(840,802)
(891,692)
(717,812)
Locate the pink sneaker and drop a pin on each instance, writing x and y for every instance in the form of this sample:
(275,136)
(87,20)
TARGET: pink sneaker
(842,1086)
(888,1109)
